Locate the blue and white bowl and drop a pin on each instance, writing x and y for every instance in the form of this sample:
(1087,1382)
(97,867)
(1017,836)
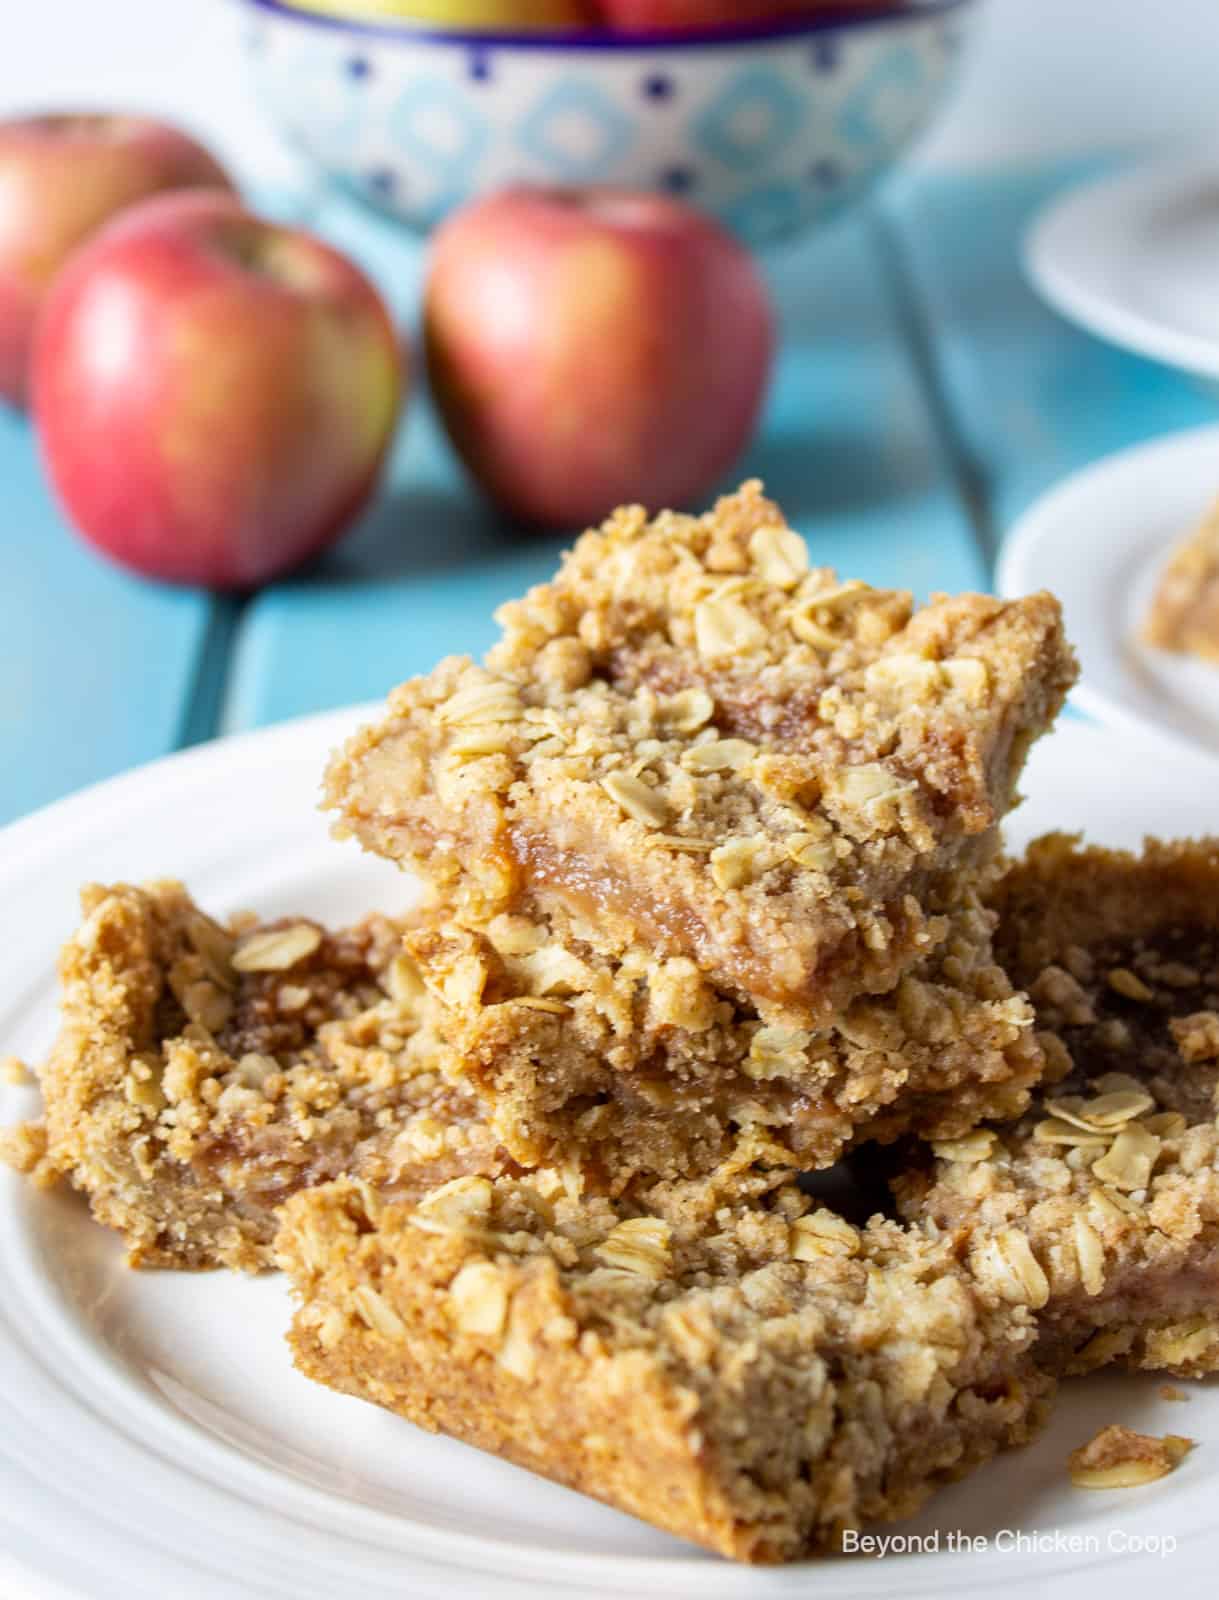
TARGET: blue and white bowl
(770,128)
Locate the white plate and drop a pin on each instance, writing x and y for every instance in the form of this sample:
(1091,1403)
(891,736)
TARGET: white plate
(1100,542)
(1134,258)
(154,1439)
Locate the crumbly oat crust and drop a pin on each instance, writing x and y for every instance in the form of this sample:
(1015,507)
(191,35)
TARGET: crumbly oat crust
(712,750)
(631,1067)
(204,1073)
(753,1376)
(1109,1188)
(1184,615)
(788,1374)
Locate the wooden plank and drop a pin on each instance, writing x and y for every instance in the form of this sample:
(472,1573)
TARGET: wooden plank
(97,665)
(1029,397)
(847,446)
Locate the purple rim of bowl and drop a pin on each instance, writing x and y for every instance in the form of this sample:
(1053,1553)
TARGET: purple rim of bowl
(838,18)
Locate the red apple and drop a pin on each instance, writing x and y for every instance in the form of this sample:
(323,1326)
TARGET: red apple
(593,347)
(659,16)
(214,394)
(61,178)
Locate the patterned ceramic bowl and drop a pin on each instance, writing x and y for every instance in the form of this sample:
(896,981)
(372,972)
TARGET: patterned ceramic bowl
(771,128)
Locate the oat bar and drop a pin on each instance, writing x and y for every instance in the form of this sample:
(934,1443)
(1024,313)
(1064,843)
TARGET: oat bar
(1111,1184)
(638,1066)
(204,1073)
(754,1376)
(752,1372)
(707,748)
(1184,615)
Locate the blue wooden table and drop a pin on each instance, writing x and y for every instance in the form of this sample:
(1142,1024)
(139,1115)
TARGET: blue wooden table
(923,398)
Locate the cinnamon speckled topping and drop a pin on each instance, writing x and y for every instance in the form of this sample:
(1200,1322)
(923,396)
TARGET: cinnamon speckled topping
(712,749)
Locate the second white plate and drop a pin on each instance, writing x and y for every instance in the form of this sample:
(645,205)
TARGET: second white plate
(1100,542)
(1133,258)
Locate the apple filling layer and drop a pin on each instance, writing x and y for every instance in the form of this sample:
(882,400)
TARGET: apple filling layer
(640,1067)
(703,744)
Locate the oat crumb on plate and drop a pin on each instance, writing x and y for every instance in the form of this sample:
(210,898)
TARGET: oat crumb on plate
(14,1071)
(1120,1458)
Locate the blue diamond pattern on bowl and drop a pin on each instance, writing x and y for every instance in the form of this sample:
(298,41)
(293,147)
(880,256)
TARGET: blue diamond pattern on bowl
(576,132)
(753,117)
(434,121)
(886,103)
(770,135)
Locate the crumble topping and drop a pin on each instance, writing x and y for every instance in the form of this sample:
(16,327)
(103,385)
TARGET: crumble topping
(714,750)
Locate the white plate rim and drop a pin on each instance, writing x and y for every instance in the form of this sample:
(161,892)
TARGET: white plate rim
(1017,558)
(1049,262)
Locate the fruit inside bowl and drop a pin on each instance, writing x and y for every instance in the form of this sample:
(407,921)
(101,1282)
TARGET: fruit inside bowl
(625,16)
(493,16)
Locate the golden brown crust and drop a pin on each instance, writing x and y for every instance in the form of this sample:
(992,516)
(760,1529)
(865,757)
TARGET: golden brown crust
(1184,615)
(1097,895)
(187,1097)
(716,753)
(800,1375)
(753,1376)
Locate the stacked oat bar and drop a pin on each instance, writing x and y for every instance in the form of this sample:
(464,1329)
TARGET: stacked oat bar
(715,896)
(706,837)
(735,1363)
